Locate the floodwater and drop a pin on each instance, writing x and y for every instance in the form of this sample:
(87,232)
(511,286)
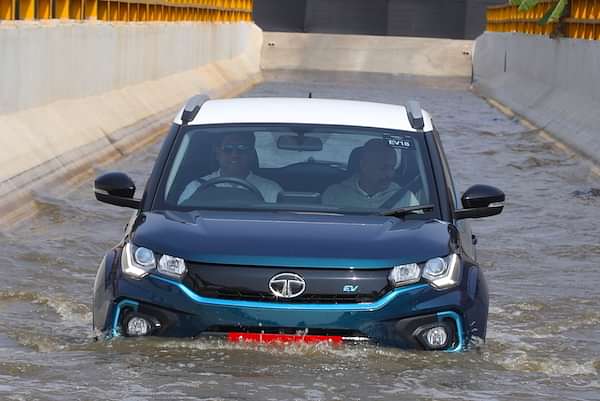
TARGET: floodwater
(541,258)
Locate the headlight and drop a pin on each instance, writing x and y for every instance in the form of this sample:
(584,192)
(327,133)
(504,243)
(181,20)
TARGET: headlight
(137,262)
(171,266)
(435,268)
(443,273)
(405,274)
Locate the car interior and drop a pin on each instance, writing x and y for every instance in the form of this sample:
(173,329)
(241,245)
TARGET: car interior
(302,182)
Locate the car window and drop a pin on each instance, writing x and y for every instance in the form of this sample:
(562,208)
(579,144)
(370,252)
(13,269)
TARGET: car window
(296,167)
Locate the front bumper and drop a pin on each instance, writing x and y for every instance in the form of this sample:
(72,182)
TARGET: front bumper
(392,320)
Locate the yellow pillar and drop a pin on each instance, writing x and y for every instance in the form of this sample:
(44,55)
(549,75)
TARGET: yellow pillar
(7,9)
(103,10)
(90,10)
(133,12)
(44,9)
(144,10)
(113,11)
(123,11)
(76,9)
(61,8)
(26,9)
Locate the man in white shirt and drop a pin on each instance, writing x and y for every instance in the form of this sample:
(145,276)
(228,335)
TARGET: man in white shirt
(372,186)
(235,154)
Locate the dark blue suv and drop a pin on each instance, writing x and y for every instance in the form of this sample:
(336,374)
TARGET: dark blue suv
(276,219)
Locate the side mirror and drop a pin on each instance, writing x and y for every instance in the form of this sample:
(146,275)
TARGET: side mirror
(480,201)
(116,189)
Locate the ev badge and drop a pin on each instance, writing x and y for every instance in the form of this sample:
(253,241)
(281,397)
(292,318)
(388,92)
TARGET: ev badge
(350,288)
(287,285)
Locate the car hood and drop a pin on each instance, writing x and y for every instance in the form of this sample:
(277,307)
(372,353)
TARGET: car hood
(292,239)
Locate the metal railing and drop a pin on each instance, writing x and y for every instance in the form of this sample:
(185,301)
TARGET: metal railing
(581,20)
(128,11)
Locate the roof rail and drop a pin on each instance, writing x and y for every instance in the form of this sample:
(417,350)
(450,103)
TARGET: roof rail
(415,115)
(192,107)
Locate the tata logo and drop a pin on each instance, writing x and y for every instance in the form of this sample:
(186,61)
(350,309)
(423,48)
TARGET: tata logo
(287,285)
(350,288)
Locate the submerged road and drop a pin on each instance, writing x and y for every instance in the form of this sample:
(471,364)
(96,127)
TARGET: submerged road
(541,258)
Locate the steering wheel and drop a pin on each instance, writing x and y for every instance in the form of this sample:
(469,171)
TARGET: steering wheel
(237,182)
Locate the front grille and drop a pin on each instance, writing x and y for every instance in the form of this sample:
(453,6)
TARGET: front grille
(251,283)
(304,298)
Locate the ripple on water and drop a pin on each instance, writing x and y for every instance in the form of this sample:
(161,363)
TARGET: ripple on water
(554,366)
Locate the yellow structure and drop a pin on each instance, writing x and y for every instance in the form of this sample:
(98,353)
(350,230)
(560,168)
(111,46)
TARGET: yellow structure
(582,19)
(128,11)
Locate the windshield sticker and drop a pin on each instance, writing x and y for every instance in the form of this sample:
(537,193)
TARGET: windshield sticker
(399,142)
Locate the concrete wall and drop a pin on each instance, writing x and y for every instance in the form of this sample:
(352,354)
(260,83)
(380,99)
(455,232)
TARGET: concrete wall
(71,93)
(554,83)
(392,55)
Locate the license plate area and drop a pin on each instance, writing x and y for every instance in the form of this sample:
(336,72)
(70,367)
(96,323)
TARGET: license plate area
(283,338)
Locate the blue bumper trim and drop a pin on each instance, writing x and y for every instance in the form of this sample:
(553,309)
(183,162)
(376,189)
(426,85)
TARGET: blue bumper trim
(459,330)
(115,329)
(371,306)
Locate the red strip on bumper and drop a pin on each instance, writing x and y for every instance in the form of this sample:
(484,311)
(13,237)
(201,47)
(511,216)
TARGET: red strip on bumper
(284,338)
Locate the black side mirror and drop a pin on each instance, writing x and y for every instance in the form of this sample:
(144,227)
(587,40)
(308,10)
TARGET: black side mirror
(480,201)
(116,189)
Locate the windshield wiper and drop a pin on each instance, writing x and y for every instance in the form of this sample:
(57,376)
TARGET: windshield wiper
(403,211)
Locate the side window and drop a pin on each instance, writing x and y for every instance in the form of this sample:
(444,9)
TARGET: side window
(447,176)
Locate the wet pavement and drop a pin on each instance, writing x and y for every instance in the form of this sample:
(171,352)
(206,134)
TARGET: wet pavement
(541,258)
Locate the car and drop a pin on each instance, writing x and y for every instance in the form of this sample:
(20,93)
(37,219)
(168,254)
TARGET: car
(297,219)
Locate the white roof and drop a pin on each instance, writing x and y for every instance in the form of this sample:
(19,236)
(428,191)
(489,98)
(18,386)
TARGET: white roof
(305,111)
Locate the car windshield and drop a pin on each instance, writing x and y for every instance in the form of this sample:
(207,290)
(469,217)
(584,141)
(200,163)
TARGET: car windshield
(306,168)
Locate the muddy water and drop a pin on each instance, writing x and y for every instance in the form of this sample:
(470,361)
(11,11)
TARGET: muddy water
(541,258)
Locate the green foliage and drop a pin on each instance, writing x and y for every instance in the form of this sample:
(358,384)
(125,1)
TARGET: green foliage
(552,15)
(527,4)
(559,10)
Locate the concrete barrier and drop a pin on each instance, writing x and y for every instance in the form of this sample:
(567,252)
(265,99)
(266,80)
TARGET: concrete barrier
(72,94)
(378,54)
(554,83)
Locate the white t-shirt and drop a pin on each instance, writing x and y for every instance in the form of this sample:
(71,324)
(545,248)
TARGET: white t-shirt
(348,193)
(268,189)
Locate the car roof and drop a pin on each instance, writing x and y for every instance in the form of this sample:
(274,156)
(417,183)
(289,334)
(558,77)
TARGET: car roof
(305,111)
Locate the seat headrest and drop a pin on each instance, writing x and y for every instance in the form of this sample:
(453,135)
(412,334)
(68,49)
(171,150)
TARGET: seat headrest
(354,160)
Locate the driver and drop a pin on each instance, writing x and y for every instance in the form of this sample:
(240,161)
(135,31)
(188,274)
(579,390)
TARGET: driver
(373,185)
(235,154)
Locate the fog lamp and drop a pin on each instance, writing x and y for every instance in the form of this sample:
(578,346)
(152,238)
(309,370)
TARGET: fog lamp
(138,326)
(436,337)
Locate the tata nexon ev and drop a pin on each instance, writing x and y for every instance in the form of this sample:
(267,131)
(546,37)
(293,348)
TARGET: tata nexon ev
(297,219)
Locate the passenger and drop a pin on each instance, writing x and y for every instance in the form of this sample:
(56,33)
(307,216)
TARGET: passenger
(235,154)
(372,186)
